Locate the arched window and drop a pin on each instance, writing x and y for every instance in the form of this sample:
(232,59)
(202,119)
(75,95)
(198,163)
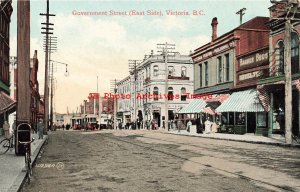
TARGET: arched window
(155,70)
(295,53)
(170,94)
(280,58)
(171,71)
(155,93)
(183,94)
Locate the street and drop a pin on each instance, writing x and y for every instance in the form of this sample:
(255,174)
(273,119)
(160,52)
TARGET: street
(141,160)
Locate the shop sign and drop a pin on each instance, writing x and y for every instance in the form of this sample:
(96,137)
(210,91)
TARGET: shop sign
(215,51)
(256,58)
(247,76)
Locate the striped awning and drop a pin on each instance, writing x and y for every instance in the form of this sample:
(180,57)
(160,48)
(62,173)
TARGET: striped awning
(242,101)
(6,103)
(195,106)
(208,110)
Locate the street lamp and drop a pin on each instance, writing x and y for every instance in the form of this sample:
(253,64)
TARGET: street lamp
(51,106)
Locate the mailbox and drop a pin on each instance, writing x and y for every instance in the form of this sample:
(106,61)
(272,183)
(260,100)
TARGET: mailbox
(23,134)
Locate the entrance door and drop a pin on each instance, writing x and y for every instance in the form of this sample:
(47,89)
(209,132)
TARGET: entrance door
(295,113)
(156,116)
(251,122)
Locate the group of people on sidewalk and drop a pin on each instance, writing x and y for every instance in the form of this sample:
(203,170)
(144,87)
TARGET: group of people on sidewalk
(206,128)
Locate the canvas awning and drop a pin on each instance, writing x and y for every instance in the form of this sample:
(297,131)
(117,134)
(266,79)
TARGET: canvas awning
(195,106)
(242,101)
(208,110)
(6,103)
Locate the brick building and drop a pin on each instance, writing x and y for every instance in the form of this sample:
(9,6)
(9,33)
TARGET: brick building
(232,64)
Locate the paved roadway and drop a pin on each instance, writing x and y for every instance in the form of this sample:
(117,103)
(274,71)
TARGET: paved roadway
(153,161)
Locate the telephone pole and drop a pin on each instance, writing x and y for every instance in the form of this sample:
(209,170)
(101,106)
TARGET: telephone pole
(241,12)
(165,51)
(133,71)
(51,49)
(113,88)
(46,86)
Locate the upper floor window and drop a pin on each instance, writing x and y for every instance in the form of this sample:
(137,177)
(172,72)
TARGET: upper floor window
(183,94)
(201,75)
(171,71)
(170,93)
(295,53)
(155,93)
(280,59)
(183,71)
(206,73)
(220,70)
(227,67)
(155,70)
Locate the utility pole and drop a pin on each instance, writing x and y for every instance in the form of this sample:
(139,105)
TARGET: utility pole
(51,49)
(241,12)
(46,86)
(113,88)
(133,71)
(291,8)
(165,51)
(23,56)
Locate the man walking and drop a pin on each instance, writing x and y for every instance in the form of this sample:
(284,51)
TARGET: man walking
(40,129)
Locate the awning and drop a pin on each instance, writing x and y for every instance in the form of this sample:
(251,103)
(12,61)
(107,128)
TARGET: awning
(6,103)
(208,110)
(242,101)
(195,106)
(218,98)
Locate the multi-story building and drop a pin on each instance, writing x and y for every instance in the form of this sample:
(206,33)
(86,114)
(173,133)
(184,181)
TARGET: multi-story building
(7,105)
(124,102)
(272,87)
(232,63)
(147,85)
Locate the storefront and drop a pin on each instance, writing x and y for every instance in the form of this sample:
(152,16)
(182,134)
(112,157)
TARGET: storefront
(243,113)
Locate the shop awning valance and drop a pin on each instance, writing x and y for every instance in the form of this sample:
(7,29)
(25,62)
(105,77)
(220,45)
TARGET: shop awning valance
(6,103)
(195,106)
(242,101)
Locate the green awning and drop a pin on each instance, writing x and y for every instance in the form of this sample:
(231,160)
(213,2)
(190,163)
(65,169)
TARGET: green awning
(242,101)
(195,106)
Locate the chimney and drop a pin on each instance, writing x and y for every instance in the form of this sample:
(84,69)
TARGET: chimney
(214,24)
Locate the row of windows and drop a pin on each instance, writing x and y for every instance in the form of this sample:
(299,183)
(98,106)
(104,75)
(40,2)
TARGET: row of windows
(223,70)
(171,71)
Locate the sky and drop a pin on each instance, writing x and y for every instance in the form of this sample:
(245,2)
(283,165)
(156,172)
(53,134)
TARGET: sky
(97,47)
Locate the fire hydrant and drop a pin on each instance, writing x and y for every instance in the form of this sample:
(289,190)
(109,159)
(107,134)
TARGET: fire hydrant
(6,129)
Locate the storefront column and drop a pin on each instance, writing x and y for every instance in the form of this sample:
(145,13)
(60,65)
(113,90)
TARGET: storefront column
(299,112)
(246,122)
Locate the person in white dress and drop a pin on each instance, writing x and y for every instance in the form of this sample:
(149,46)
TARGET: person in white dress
(207,125)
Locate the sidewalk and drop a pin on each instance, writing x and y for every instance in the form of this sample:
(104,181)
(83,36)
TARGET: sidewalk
(11,166)
(249,138)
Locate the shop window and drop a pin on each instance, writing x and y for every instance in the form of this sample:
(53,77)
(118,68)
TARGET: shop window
(183,94)
(240,118)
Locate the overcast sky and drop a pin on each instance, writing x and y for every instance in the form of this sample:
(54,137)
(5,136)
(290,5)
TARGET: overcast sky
(102,45)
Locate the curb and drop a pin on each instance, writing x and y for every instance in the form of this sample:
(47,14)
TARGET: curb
(21,179)
(244,141)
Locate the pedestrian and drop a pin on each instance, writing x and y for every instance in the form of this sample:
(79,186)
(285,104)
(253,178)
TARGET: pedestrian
(40,129)
(207,125)
(6,129)
(63,126)
(189,125)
